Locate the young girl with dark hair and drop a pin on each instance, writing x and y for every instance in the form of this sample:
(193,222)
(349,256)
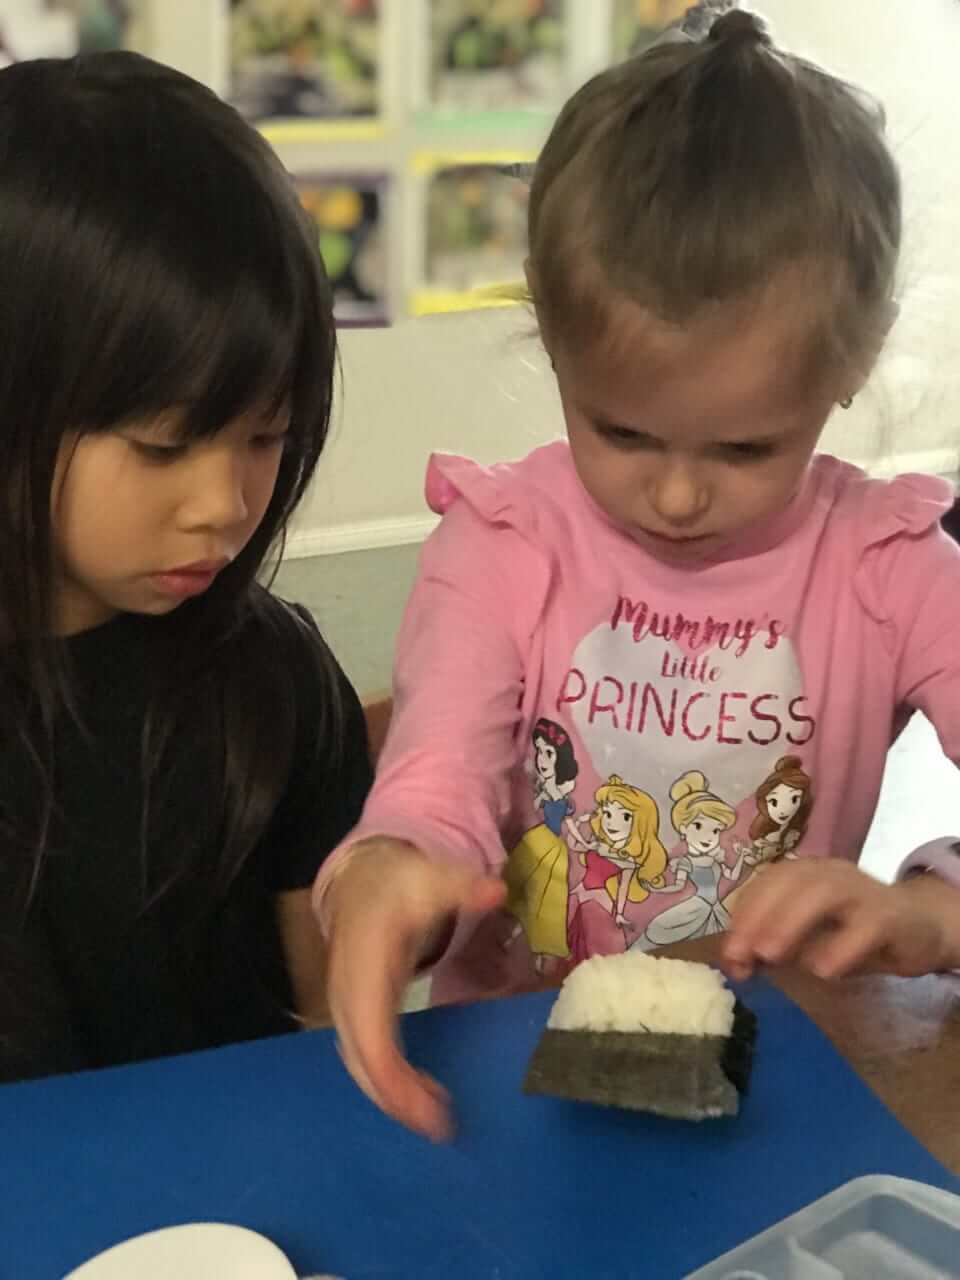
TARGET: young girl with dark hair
(180,749)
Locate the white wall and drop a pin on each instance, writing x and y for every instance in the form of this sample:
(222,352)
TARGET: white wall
(476,384)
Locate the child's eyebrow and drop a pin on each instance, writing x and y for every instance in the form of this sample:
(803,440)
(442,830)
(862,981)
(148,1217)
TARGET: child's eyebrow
(752,442)
(605,420)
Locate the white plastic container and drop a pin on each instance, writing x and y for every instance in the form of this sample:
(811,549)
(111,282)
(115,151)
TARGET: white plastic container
(875,1228)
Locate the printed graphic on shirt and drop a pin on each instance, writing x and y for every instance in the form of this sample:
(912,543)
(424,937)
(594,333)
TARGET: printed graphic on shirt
(784,801)
(537,872)
(652,695)
(699,818)
(707,718)
(622,858)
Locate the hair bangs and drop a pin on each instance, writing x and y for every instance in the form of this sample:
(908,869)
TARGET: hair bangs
(185,273)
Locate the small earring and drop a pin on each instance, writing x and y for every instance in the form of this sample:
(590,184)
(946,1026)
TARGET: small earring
(846,402)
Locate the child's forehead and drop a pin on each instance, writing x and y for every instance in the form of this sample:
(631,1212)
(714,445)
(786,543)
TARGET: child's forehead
(728,368)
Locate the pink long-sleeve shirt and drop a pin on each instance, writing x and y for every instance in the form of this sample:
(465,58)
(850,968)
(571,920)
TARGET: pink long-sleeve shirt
(558,688)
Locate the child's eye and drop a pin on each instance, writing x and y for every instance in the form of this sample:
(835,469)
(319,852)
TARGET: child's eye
(159,453)
(747,451)
(624,437)
(267,441)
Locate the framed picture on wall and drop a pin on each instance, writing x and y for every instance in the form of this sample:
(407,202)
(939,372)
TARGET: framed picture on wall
(311,62)
(496,55)
(348,211)
(61,28)
(637,23)
(475,231)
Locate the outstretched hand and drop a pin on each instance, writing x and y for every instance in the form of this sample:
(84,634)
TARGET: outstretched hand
(388,909)
(828,917)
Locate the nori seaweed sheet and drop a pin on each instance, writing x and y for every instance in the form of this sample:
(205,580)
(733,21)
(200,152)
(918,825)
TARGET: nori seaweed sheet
(686,1077)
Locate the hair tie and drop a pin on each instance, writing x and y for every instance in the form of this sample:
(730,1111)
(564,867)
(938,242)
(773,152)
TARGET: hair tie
(738,26)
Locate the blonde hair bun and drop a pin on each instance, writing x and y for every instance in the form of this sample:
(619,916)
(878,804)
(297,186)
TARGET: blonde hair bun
(688,785)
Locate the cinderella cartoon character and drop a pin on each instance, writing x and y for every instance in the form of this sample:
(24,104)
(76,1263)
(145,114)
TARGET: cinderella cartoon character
(699,818)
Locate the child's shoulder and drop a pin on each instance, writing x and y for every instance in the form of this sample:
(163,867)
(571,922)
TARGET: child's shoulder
(274,635)
(505,492)
(885,536)
(265,618)
(880,510)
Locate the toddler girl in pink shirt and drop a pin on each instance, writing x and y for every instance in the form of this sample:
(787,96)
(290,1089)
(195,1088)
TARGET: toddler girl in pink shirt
(661,663)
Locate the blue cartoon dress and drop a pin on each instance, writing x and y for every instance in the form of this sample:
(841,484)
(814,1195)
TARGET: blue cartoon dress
(536,876)
(698,916)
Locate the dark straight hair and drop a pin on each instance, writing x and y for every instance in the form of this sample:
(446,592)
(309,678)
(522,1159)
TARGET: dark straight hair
(153,255)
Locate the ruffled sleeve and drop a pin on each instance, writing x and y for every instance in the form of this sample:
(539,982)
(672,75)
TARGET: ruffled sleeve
(908,579)
(443,781)
(496,494)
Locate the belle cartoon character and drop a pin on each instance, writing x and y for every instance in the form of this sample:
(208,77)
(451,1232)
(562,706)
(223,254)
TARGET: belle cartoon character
(699,819)
(623,855)
(784,802)
(537,869)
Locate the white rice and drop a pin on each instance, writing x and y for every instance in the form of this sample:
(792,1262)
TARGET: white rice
(633,991)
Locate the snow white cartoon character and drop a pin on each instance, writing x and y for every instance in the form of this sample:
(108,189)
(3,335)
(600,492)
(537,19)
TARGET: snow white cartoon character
(538,868)
(622,855)
(699,818)
(784,802)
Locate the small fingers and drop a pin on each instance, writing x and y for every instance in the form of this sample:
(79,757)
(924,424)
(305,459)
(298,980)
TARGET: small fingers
(377,939)
(777,916)
(842,951)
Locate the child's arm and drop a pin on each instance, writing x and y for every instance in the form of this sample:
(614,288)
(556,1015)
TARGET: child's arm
(329,780)
(425,861)
(827,915)
(831,918)
(305,954)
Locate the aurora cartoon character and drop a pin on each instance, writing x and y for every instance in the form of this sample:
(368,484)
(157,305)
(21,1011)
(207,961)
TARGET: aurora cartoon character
(622,855)
(699,818)
(538,868)
(784,803)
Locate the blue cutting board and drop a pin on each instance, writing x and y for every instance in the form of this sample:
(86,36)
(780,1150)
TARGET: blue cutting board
(273,1137)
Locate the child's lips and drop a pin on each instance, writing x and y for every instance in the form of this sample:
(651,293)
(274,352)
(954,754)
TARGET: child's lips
(189,580)
(677,539)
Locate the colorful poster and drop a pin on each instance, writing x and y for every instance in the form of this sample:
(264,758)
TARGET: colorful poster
(475,231)
(316,60)
(637,23)
(348,213)
(107,24)
(62,28)
(497,55)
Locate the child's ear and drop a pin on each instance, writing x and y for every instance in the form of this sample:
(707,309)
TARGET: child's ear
(531,279)
(891,313)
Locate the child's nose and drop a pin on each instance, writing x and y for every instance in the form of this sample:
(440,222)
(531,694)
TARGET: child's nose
(217,498)
(678,497)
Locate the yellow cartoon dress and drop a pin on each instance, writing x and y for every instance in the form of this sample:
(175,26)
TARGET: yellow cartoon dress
(536,876)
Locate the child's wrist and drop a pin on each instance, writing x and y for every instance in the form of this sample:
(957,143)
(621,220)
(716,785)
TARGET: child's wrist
(940,901)
(932,872)
(353,862)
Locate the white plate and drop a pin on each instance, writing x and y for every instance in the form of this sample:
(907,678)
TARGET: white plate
(199,1251)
